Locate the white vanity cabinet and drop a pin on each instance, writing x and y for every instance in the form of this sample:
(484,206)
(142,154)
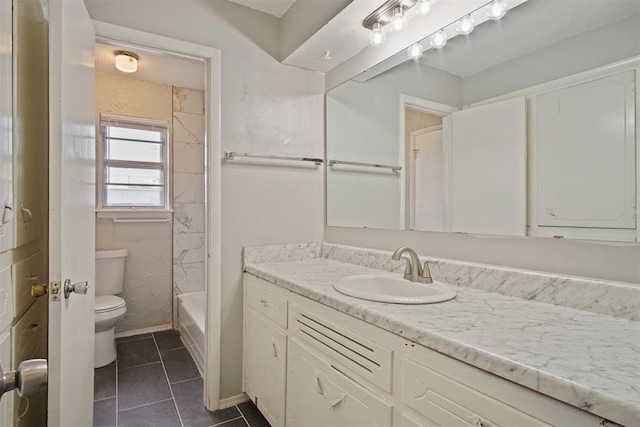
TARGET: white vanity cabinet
(341,371)
(265,348)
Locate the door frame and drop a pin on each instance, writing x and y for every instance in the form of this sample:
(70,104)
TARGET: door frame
(411,174)
(424,106)
(213,173)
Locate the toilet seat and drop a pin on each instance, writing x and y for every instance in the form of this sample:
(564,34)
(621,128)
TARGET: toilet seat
(108,303)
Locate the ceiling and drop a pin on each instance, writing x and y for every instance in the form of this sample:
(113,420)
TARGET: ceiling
(153,66)
(276,8)
(527,28)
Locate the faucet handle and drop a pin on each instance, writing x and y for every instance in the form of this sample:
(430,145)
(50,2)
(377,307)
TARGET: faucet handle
(425,275)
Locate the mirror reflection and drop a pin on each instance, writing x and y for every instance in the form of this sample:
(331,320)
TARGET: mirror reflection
(525,126)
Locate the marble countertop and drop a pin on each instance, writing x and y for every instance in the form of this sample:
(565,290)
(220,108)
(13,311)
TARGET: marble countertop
(587,360)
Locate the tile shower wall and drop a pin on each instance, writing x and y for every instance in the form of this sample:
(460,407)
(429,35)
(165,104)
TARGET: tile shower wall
(189,191)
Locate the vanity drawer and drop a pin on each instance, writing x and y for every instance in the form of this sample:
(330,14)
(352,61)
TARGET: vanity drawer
(446,402)
(350,351)
(266,302)
(29,334)
(28,272)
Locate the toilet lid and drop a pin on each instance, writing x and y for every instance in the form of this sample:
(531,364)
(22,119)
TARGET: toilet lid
(108,303)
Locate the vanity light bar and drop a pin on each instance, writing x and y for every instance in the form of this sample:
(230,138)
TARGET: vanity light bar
(368,165)
(231,155)
(384,14)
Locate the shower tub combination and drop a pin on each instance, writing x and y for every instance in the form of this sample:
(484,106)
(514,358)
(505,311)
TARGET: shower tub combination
(191,315)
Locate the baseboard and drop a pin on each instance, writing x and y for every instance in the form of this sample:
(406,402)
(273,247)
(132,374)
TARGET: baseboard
(234,400)
(166,327)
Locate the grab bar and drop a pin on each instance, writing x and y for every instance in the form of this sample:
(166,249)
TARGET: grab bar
(123,220)
(231,155)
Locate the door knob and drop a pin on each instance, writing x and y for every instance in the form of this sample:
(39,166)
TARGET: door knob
(28,379)
(77,288)
(38,290)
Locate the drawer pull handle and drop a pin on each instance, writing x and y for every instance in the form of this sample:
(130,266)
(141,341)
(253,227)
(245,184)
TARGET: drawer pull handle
(337,402)
(264,303)
(32,277)
(34,326)
(275,349)
(319,386)
(476,421)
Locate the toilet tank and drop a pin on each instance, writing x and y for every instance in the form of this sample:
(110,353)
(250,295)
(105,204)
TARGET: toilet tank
(110,271)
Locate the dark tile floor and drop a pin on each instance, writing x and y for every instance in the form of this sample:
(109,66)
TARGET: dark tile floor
(154,382)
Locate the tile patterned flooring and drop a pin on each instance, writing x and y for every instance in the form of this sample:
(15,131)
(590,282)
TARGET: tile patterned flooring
(154,382)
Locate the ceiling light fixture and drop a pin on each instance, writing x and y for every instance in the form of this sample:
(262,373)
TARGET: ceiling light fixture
(377,37)
(438,39)
(392,13)
(497,9)
(399,21)
(424,7)
(465,25)
(415,51)
(126,62)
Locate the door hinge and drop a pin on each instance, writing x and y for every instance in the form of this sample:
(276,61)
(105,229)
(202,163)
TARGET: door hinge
(54,291)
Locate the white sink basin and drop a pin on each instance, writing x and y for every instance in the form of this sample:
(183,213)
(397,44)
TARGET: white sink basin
(394,289)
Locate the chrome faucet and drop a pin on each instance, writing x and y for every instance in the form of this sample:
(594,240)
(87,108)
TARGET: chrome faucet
(413,271)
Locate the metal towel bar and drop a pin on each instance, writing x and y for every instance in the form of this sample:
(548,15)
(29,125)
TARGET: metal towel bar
(231,155)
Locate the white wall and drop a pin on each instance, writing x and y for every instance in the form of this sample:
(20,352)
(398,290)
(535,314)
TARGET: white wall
(267,107)
(363,125)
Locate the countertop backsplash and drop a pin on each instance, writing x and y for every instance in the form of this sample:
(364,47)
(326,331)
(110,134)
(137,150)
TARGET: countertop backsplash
(616,299)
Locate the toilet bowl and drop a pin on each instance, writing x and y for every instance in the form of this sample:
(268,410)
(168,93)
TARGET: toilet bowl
(109,308)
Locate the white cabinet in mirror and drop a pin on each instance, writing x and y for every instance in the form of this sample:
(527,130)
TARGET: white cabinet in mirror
(521,128)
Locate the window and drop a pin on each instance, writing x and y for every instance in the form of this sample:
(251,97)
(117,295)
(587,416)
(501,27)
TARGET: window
(132,163)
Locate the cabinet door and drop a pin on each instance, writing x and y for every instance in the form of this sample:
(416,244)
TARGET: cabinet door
(320,395)
(6,116)
(585,139)
(265,367)
(489,169)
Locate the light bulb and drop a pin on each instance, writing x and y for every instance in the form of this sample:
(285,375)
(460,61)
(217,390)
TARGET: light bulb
(424,7)
(398,22)
(497,9)
(465,25)
(126,62)
(377,36)
(415,51)
(438,39)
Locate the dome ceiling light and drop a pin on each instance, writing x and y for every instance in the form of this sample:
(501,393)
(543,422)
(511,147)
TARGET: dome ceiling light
(126,62)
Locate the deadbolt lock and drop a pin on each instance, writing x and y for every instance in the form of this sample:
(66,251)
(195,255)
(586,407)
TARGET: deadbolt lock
(38,290)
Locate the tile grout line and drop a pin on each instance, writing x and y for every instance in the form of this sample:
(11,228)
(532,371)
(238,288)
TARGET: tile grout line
(228,421)
(166,376)
(117,405)
(188,379)
(146,404)
(144,364)
(242,415)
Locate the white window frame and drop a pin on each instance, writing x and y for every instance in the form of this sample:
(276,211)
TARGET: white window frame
(101,161)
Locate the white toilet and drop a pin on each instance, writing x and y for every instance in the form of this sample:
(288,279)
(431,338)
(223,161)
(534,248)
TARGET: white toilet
(109,307)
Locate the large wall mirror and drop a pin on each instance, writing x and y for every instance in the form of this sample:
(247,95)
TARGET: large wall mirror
(524,127)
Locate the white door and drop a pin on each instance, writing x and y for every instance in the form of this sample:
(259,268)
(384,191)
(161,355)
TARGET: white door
(71,212)
(488,169)
(427,180)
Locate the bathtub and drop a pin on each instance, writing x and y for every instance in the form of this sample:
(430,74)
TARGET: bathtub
(191,314)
